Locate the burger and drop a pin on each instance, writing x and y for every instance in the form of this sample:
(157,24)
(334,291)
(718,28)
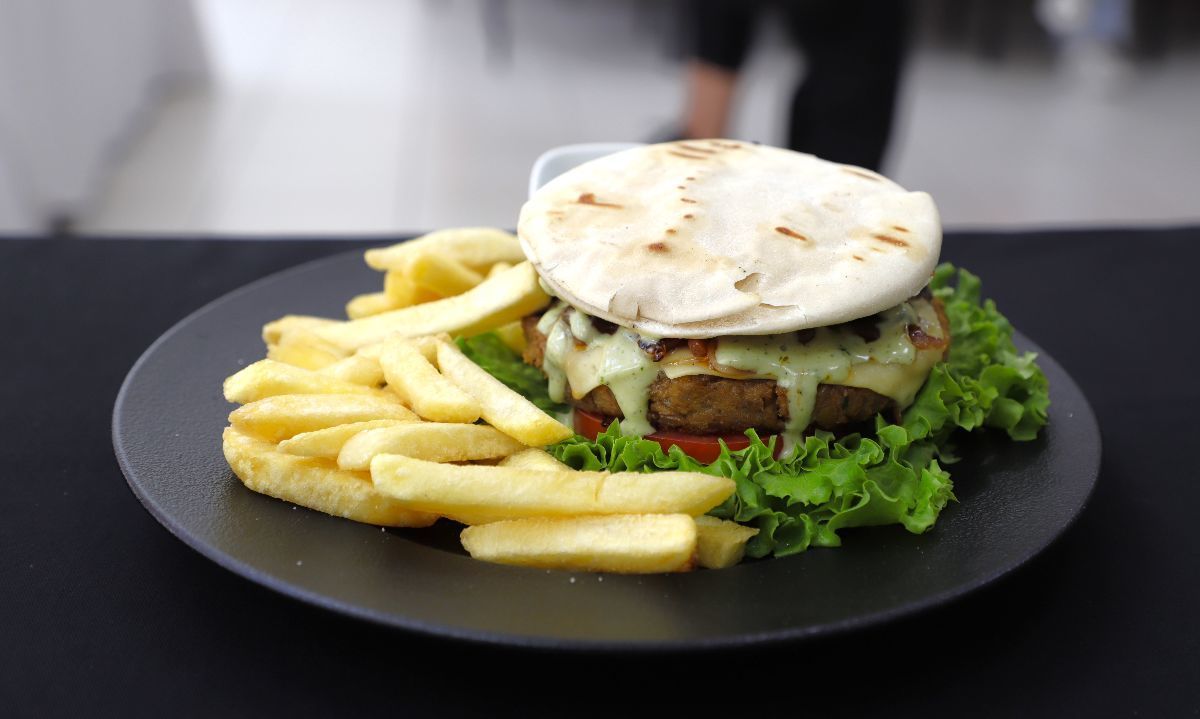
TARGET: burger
(704,288)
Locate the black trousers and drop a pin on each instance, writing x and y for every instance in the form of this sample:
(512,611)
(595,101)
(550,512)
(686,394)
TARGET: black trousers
(844,107)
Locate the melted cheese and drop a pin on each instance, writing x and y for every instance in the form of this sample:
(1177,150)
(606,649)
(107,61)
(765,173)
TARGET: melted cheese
(579,356)
(616,362)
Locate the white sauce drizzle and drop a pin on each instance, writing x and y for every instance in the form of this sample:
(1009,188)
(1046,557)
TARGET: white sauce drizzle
(889,365)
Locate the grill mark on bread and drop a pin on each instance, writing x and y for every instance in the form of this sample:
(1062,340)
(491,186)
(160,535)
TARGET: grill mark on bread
(687,155)
(693,148)
(688,200)
(589,198)
(659,247)
(890,240)
(791,233)
(898,228)
(726,145)
(671,230)
(858,258)
(689,216)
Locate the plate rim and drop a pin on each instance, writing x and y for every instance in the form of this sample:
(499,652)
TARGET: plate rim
(439,630)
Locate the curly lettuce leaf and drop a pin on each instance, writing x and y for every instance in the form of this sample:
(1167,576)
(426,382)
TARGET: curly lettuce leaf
(825,485)
(984,382)
(802,500)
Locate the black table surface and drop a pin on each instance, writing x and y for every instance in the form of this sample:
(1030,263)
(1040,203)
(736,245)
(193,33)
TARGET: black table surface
(103,611)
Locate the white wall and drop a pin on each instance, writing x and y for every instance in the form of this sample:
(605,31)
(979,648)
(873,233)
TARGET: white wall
(76,76)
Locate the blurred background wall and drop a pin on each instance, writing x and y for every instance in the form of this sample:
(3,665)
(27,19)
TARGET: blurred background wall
(382,116)
(79,82)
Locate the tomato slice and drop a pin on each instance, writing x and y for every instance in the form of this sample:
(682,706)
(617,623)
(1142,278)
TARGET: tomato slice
(702,447)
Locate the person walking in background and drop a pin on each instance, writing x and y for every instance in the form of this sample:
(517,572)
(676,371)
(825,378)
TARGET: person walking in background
(844,106)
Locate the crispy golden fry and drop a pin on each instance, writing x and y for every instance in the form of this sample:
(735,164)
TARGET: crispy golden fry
(475,246)
(411,376)
(314,483)
(369,304)
(626,543)
(359,368)
(274,332)
(476,494)
(512,335)
(721,543)
(425,344)
(292,340)
(508,296)
(283,416)
(534,458)
(498,268)
(501,407)
(371,352)
(442,275)
(403,292)
(312,348)
(430,441)
(303,356)
(328,442)
(267,378)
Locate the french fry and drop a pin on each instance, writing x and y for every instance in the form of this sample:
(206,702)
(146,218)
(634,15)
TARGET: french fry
(533,458)
(429,441)
(630,544)
(303,356)
(359,368)
(426,345)
(314,483)
(501,407)
(498,268)
(328,442)
(478,246)
(267,378)
(720,543)
(403,292)
(411,376)
(291,339)
(496,301)
(274,332)
(441,275)
(371,352)
(513,335)
(369,304)
(316,349)
(476,494)
(281,417)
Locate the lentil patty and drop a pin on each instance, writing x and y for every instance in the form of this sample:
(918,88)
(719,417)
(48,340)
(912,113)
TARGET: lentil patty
(705,404)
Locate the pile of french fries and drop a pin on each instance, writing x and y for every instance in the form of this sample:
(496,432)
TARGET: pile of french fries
(382,419)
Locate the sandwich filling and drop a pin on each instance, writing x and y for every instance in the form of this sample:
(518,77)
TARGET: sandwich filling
(827,377)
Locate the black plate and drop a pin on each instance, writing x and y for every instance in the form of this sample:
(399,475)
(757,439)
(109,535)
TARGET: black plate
(1015,499)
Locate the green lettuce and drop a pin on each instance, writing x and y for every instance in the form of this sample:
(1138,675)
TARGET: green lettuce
(892,476)
(804,499)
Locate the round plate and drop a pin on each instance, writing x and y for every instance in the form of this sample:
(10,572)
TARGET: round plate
(1014,500)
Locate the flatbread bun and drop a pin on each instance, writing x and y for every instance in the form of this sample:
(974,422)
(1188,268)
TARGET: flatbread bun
(703,238)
